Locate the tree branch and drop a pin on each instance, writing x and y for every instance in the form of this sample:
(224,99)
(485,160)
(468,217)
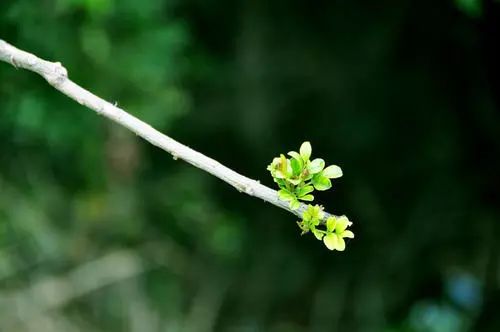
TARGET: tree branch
(57,76)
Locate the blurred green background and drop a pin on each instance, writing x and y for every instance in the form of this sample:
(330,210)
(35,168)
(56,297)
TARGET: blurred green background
(100,231)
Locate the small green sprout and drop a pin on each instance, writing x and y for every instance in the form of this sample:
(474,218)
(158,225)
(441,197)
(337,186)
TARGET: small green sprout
(297,177)
(336,231)
(311,218)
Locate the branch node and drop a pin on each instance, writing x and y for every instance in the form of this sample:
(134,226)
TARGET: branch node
(249,190)
(100,109)
(13,62)
(57,75)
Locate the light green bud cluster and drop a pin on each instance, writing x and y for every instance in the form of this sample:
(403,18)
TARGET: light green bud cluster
(297,178)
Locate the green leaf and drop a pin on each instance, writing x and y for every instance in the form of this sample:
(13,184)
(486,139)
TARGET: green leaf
(281,183)
(295,155)
(305,150)
(309,198)
(330,224)
(342,224)
(332,242)
(332,172)
(289,171)
(321,182)
(294,204)
(348,234)
(305,190)
(340,244)
(316,166)
(313,214)
(308,213)
(318,234)
(295,182)
(296,166)
(308,176)
(285,195)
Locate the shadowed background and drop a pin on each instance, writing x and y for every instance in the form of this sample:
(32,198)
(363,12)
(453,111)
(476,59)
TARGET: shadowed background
(100,231)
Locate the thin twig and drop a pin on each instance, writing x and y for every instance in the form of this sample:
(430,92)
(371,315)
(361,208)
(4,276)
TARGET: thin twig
(57,76)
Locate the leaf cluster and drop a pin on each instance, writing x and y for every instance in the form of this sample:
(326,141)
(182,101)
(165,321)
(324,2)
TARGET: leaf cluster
(297,178)
(333,234)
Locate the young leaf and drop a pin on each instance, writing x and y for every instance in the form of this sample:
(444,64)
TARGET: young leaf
(318,234)
(313,214)
(294,204)
(332,242)
(285,195)
(305,150)
(308,197)
(296,166)
(289,171)
(321,182)
(305,190)
(316,166)
(330,224)
(308,214)
(295,155)
(307,175)
(281,183)
(332,172)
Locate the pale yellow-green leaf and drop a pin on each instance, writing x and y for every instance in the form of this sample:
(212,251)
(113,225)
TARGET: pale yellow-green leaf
(330,224)
(305,150)
(332,172)
(348,234)
(331,241)
(342,223)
